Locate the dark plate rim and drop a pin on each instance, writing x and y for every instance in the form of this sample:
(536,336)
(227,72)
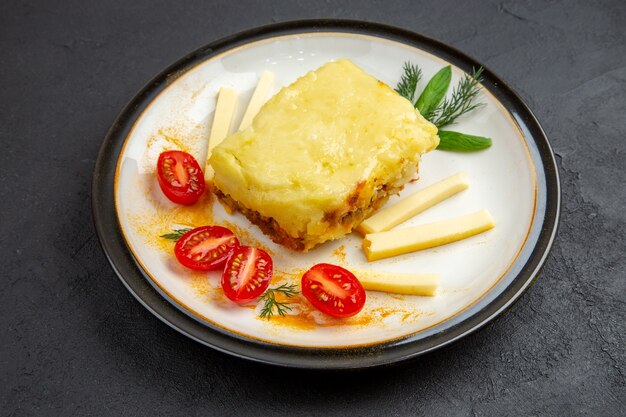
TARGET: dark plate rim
(137,282)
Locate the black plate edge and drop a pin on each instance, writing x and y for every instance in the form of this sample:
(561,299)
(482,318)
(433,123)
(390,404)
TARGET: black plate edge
(126,267)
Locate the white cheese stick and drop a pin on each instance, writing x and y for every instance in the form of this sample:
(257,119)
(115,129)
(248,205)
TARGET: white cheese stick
(414,204)
(397,242)
(224,110)
(398,283)
(263,88)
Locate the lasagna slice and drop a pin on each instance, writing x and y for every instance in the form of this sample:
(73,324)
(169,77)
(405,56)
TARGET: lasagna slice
(321,156)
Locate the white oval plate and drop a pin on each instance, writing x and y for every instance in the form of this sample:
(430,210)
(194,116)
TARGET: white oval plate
(511,179)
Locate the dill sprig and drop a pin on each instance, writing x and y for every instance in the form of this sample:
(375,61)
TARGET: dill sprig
(461,101)
(408,81)
(443,111)
(270,303)
(176,234)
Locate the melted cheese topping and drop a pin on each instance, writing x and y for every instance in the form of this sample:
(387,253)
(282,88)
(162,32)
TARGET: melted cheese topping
(333,131)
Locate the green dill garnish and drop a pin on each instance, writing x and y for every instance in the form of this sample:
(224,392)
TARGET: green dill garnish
(441,111)
(270,303)
(408,81)
(461,102)
(176,234)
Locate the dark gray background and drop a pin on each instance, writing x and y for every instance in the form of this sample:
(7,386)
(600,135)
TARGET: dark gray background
(75,342)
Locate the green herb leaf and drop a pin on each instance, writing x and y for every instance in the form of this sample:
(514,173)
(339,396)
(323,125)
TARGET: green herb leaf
(176,234)
(461,142)
(461,102)
(434,92)
(408,81)
(270,303)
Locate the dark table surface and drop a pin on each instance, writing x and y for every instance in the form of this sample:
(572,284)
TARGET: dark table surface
(75,342)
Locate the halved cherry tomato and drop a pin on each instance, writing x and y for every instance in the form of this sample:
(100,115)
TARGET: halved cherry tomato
(205,248)
(247,274)
(333,290)
(180,177)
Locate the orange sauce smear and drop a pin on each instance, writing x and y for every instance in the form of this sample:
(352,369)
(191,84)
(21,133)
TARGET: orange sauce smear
(166,217)
(173,141)
(304,319)
(172,138)
(152,226)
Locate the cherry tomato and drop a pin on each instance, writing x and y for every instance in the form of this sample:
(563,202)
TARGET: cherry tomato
(247,274)
(205,248)
(333,290)
(180,177)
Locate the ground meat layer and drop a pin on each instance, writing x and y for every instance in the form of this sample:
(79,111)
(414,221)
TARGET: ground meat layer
(347,218)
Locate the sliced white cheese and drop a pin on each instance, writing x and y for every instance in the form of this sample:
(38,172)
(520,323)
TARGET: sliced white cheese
(263,88)
(396,242)
(224,110)
(398,283)
(414,204)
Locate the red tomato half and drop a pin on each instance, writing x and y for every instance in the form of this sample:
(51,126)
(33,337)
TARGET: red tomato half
(247,274)
(180,177)
(205,248)
(333,290)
